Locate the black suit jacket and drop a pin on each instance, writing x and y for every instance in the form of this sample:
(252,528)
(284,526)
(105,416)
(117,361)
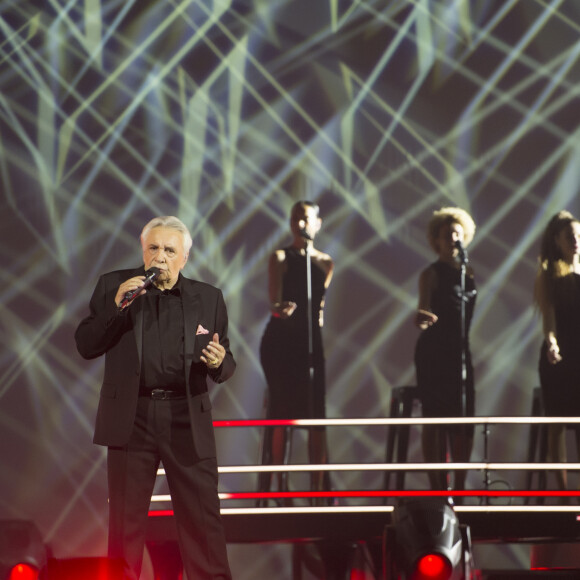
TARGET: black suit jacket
(119,337)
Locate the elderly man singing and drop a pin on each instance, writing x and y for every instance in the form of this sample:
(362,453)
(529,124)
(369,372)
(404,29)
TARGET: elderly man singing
(162,335)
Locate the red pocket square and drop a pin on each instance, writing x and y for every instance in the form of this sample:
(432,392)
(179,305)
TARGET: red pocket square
(201,330)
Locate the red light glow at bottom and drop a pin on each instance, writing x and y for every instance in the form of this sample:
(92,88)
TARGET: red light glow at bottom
(23,572)
(432,567)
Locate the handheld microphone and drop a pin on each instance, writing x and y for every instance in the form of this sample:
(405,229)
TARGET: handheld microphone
(150,276)
(462,251)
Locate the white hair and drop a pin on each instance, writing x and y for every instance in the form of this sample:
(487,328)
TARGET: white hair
(169,221)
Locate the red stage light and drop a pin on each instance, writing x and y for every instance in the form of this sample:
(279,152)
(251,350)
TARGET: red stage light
(356,574)
(24,572)
(432,567)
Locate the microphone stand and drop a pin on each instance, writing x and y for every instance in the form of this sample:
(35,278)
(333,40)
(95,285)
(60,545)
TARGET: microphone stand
(464,298)
(308,250)
(463,268)
(310,322)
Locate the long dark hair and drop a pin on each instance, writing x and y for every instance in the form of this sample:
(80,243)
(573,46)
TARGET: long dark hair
(552,268)
(549,251)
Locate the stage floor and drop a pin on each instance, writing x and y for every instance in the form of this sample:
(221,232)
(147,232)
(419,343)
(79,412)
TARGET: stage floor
(506,524)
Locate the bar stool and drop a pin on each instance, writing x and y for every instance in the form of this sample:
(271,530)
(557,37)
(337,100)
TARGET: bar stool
(402,400)
(265,478)
(538,443)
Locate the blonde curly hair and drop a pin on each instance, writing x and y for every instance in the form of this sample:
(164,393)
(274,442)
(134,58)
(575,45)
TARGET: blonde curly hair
(450,215)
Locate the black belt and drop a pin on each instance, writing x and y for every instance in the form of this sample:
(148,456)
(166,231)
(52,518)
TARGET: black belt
(162,394)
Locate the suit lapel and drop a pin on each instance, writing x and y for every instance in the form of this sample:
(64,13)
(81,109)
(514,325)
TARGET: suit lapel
(136,311)
(191,308)
(139,331)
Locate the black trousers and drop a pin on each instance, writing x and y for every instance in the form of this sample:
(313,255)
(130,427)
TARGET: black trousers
(162,433)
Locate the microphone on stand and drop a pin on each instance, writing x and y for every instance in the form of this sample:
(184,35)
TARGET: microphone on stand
(304,234)
(150,276)
(462,251)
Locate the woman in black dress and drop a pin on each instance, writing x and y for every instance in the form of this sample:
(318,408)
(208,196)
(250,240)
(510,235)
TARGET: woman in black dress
(557,296)
(296,384)
(442,344)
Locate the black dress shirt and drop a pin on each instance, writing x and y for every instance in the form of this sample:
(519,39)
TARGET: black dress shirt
(163,362)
